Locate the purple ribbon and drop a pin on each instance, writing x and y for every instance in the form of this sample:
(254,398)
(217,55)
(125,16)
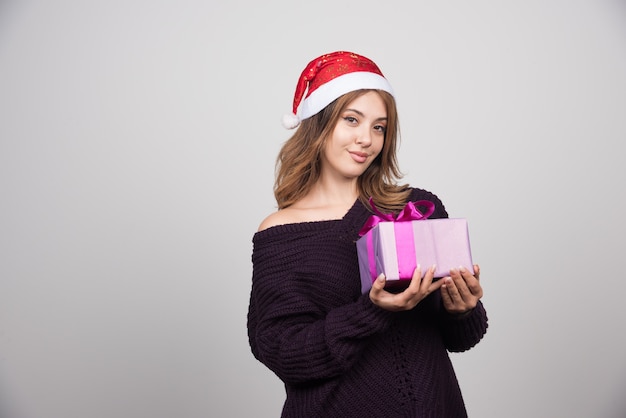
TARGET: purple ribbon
(408,213)
(406,252)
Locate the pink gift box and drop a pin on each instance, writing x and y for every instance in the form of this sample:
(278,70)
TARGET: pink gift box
(396,248)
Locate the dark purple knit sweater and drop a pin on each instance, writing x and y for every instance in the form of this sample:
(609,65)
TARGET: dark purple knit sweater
(338,354)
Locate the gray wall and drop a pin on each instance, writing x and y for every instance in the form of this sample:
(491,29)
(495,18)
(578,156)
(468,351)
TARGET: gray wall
(137,143)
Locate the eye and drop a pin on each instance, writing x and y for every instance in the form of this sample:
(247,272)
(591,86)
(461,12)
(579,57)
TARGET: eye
(350,119)
(380,128)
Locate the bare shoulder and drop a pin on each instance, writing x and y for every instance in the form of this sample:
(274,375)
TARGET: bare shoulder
(280,217)
(299,213)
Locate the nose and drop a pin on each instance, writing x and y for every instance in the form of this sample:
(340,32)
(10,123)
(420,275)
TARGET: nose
(364,138)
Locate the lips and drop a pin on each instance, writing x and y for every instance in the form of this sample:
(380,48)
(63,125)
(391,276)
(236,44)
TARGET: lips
(359,157)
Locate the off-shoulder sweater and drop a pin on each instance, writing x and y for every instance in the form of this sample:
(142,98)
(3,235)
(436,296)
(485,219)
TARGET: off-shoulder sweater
(337,353)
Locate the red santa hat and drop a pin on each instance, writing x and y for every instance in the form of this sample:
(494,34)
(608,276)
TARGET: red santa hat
(330,76)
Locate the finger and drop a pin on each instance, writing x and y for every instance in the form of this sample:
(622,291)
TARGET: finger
(446,294)
(449,287)
(477,271)
(435,285)
(475,288)
(460,280)
(430,273)
(460,297)
(465,273)
(416,281)
(427,282)
(377,287)
(471,282)
(379,283)
(417,289)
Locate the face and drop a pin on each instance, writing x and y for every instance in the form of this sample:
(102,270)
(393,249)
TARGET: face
(357,138)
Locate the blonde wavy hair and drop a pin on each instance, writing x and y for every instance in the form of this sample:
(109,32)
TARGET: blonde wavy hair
(298,163)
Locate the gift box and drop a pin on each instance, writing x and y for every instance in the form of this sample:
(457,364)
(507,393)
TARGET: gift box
(395,246)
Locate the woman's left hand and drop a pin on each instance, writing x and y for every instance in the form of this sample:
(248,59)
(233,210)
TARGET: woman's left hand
(461,290)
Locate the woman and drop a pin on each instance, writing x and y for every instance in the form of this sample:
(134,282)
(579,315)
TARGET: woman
(341,353)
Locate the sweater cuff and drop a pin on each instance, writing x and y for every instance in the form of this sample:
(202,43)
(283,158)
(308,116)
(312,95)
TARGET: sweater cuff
(465,331)
(375,315)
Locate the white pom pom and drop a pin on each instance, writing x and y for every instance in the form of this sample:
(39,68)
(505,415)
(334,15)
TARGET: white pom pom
(291,121)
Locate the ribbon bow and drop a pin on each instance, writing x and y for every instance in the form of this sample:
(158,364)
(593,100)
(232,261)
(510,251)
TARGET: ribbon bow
(407,214)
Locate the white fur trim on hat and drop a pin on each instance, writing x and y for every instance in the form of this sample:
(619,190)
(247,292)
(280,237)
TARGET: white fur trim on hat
(333,89)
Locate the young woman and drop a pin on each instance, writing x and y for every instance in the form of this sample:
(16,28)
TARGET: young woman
(339,352)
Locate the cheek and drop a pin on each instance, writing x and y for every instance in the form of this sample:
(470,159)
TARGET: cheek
(379,146)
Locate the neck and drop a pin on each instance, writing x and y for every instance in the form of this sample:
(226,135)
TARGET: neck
(334,193)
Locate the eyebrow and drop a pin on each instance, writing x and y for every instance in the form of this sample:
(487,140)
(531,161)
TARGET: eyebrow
(361,114)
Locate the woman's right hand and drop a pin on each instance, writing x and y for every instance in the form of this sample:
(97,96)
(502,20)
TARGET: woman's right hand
(418,289)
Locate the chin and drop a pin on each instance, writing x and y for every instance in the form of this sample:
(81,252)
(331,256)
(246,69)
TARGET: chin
(354,174)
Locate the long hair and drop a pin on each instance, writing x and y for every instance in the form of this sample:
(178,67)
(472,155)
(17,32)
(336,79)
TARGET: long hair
(298,164)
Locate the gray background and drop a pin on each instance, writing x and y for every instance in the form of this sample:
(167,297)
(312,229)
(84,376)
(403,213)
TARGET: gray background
(137,148)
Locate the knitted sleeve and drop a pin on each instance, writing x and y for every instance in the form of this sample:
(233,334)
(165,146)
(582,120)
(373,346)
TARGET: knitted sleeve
(295,327)
(462,333)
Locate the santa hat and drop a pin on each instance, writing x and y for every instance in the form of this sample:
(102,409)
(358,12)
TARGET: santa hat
(330,76)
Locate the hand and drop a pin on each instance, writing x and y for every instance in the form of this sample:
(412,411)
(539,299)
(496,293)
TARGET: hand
(417,290)
(461,290)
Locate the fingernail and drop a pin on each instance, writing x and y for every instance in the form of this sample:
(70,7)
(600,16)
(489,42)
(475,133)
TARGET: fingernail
(433,268)
(461,269)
